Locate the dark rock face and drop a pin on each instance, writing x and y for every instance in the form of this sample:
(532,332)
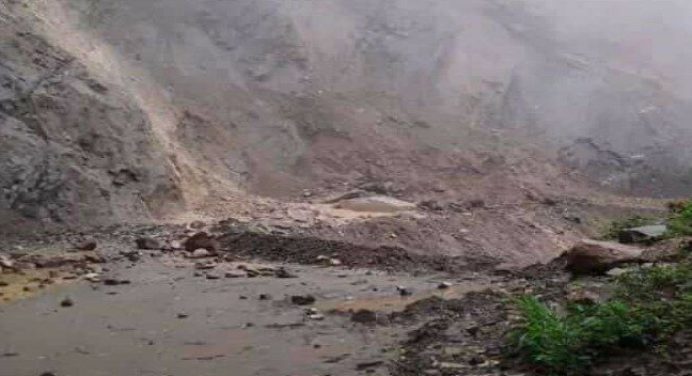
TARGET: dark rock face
(71,150)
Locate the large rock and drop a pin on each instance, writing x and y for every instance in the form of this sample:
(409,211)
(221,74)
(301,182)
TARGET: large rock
(202,240)
(594,257)
(642,234)
(382,204)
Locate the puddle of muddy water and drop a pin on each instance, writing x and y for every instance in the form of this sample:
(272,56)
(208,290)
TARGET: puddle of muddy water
(391,304)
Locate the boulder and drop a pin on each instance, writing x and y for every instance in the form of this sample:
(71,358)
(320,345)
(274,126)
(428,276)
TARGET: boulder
(596,257)
(147,243)
(202,240)
(642,234)
(86,245)
(378,204)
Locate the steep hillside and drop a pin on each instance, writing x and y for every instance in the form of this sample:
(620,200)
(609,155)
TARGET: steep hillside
(137,110)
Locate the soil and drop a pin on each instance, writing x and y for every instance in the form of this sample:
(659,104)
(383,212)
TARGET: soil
(167,312)
(250,121)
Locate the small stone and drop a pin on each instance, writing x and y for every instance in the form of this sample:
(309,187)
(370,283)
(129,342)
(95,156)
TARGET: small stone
(183,315)
(364,316)
(444,285)
(212,276)
(197,225)
(111,282)
(86,245)
(205,265)
(316,317)
(67,302)
(5,262)
(334,262)
(200,253)
(449,365)
(92,277)
(147,243)
(234,275)
(303,299)
(283,273)
(616,272)
(265,297)
(368,365)
(4,284)
(202,240)
(404,291)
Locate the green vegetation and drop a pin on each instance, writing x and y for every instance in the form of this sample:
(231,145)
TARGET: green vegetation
(680,224)
(648,306)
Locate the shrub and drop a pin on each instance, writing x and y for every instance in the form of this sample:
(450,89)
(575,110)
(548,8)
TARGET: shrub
(681,222)
(648,306)
(568,344)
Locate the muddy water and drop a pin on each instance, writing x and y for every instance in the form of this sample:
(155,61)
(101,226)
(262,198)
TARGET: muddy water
(136,330)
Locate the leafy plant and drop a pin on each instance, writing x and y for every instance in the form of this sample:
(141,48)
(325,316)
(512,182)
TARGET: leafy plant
(681,222)
(648,306)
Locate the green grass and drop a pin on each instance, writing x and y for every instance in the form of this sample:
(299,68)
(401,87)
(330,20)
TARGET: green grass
(680,224)
(648,306)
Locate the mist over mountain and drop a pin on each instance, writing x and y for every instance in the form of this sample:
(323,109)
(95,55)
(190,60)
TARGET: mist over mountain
(271,97)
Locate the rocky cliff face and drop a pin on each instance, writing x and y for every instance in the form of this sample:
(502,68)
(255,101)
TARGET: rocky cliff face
(71,148)
(132,109)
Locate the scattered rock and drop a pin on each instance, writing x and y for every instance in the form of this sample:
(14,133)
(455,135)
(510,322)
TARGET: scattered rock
(595,257)
(205,265)
(133,256)
(367,365)
(444,285)
(6,262)
(404,291)
(334,262)
(147,243)
(86,245)
(583,297)
(202,240)
(616,272)
(92,277)
(197,225)
(67,302)
(364,316)
(283,273)
(111,282)
(644,234)
(303,299)
(265,297)
(183,315)
(234,274)
(200,253)
(316,316)
(212,276)
(382,204)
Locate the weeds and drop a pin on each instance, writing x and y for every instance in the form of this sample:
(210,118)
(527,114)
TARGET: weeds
(681,222)
(649,306)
